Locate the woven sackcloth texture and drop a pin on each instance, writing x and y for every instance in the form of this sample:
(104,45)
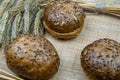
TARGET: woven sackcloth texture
(96,26)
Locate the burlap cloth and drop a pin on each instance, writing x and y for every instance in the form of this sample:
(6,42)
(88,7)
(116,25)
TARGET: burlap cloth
(95,27)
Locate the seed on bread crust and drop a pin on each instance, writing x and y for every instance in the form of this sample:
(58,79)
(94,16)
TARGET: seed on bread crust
(32,57)
(64,18)
(101,60)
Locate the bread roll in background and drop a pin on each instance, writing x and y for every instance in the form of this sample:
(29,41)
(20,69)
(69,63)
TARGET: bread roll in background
(101,60)
(63,19)
(32,57)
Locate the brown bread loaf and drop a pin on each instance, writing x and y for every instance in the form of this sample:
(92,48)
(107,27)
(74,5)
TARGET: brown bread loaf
(32,57)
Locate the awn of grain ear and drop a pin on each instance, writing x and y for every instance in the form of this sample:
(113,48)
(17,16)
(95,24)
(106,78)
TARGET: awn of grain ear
(26,17)
(37,2)
(11,4)
(19,6)
(15,26)
(3,6)
(42,30)
(6,32)
(5,36)
(38,27)
(32,18)
(21,26)
(3,22)
(33,10)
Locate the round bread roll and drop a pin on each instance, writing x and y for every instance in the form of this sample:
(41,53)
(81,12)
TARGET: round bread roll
(32,57)
(63,19)
(101,60)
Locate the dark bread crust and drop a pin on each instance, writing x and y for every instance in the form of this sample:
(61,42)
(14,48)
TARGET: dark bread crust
(101,60)
(32,57)
(63,16)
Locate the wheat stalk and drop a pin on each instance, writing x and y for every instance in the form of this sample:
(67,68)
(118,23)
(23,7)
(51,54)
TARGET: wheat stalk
(87,6)
(107,9)
(7,76)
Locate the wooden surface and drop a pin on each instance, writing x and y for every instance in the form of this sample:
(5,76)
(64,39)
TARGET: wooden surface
(95,27)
